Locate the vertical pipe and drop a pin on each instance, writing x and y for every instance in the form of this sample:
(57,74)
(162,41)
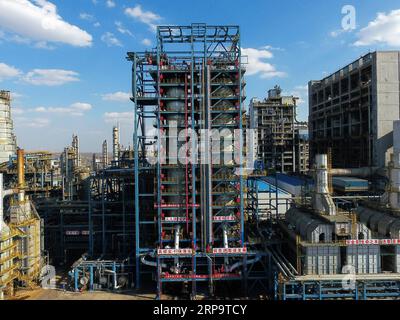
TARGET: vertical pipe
(76,274)
(21,174)
(91,279)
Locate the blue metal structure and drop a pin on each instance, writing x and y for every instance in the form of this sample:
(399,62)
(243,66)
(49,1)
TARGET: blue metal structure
(332,290)
(91,275)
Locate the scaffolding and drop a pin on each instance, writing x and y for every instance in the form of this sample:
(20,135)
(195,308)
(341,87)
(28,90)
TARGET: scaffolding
(195,231)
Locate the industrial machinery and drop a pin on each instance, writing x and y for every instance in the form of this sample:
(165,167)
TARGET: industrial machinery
(191,227)
(341,254)
(20,236)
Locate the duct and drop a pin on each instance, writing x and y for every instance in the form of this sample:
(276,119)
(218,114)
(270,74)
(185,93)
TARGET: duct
(357,172)
(152,263)
(322,201)
(309,228)
(384,224)
(241,263)
(380,222)
(364,215)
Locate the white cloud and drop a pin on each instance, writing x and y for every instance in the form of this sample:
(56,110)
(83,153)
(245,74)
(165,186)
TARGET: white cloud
(117,97)
(17,111)
(86,16)
(16,95)
(111,41)
(75,109)
(81,106)
(257,64)
(146,17)
(268,47)
(385,29)
(302,93)
(118,117)
(110,4)
(7,72)
(122,29)
(50,77)
(38,20)
(146,42)
(32,122)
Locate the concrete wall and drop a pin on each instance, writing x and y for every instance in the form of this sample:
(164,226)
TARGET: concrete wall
(386,103)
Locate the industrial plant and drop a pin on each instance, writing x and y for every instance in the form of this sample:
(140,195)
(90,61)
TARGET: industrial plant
(221,195)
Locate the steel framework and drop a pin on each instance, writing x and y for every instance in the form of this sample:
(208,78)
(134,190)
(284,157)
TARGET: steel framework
(195,231)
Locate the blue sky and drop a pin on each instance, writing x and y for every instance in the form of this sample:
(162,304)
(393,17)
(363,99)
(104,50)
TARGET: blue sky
(65,60)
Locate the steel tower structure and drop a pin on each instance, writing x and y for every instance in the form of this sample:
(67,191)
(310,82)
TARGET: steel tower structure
(191,227)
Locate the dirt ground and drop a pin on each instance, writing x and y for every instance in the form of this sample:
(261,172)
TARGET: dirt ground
(41,294)
(59,294)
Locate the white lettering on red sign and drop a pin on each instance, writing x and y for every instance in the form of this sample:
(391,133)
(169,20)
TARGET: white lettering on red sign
(169,252)
(224,218)
(230,250)
(373,241)
(175,219)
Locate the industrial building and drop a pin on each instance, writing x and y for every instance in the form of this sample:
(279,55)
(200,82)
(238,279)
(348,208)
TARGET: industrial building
(352,111)
(195,233)
(281,141)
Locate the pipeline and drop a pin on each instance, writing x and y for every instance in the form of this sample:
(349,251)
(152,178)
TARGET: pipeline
(152,263)
(114,273)
(358,172)
(239,264)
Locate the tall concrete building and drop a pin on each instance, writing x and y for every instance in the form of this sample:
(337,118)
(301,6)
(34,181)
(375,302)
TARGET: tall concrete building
(274,119)
(352,111)
(7,138)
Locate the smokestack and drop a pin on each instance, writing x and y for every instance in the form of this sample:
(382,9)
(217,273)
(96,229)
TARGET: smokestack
(116,144)
(21,174)
(322,200)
